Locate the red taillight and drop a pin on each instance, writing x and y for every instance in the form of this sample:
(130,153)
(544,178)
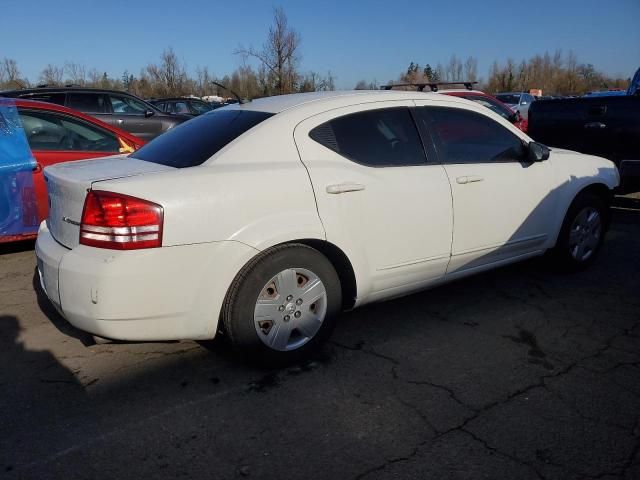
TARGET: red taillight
(120,222)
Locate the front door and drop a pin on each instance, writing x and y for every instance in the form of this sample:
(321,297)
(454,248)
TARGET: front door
(378,197)
(129,114)
(502,203)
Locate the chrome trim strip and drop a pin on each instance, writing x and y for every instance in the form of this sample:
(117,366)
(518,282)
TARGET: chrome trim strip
(414,262)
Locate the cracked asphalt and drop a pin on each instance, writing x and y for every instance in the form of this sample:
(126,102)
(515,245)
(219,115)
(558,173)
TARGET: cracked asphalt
(519,373)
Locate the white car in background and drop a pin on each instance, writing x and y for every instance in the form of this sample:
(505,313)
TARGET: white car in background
(266,219)
(517,101)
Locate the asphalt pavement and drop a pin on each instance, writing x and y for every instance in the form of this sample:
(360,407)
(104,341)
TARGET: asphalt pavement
(521,373)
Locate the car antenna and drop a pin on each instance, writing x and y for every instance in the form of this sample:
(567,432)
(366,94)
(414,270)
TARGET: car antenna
(240,100)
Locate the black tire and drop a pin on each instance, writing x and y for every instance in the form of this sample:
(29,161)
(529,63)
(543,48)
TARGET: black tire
(561,254)
(237,318)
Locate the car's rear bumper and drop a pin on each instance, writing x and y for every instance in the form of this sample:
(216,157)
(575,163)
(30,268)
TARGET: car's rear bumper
(169,293)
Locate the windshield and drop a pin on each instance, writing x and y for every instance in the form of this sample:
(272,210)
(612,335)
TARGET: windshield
(509,98)
(197,140)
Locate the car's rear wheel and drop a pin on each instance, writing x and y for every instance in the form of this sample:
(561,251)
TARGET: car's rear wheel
(582,232)
(281,307)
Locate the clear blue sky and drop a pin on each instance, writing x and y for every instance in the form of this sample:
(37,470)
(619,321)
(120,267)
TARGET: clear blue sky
(359,39)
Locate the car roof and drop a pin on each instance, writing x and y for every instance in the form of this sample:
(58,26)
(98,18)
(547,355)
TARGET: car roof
(165,99)
(62,89)
(281,103)
(35,104)
(462,90)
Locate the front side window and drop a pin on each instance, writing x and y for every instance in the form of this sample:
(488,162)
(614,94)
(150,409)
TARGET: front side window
(127,105)
(463,136)
(49,131)
(87,102)
(377,138)
(194,142)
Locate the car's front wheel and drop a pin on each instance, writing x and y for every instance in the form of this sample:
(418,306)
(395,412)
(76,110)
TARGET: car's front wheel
(582,232)
(281,307)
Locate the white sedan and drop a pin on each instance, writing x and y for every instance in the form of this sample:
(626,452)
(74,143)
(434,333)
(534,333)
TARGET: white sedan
(264,220)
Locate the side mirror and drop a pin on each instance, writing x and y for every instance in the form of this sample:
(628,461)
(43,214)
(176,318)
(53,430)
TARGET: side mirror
(538,152)
(149,113)
(523,103)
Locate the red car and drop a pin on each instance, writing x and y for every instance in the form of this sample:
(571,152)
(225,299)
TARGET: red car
(490,102)
(54,134)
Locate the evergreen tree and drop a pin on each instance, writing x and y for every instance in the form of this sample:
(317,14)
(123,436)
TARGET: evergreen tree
(429,73)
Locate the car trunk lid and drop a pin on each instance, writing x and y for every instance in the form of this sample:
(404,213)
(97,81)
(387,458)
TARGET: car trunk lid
(68,184)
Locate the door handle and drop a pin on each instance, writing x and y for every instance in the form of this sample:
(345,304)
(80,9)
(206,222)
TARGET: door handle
(119,120)
(469,179)
(344,187)
(595,125)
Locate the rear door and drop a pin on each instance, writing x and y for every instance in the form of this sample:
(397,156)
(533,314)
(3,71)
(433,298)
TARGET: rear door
(91,103)
(378,196)
(502,203)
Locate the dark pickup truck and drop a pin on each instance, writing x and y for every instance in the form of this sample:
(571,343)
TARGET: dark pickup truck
(605,126)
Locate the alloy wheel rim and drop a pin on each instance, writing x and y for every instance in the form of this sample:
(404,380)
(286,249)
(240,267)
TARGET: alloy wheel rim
(290,309)
(585,233)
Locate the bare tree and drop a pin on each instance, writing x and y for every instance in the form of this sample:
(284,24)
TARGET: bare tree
(203,81)
(51,75)
(94,77)
(439,74)
(279,55)
(471,69)
(170,76)
(76,73)
(10,74)
(454,69)
(363,85)
(314,82)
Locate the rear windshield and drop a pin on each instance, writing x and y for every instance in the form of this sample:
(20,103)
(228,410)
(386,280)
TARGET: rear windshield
(195,141)
(509,98)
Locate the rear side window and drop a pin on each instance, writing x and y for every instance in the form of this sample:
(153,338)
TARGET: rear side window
(194,142)
(87,102)
(57,98)
(50,131)
(463,136)
(376,138)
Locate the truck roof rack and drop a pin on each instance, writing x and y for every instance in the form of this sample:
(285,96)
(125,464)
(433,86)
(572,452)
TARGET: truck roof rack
(432,85)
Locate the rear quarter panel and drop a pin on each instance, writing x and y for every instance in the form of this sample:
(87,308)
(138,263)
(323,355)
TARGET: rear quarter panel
(255,191)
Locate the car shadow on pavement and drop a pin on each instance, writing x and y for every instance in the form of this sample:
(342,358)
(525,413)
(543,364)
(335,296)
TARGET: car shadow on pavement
(484,355)
(34,384)
(16,247)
